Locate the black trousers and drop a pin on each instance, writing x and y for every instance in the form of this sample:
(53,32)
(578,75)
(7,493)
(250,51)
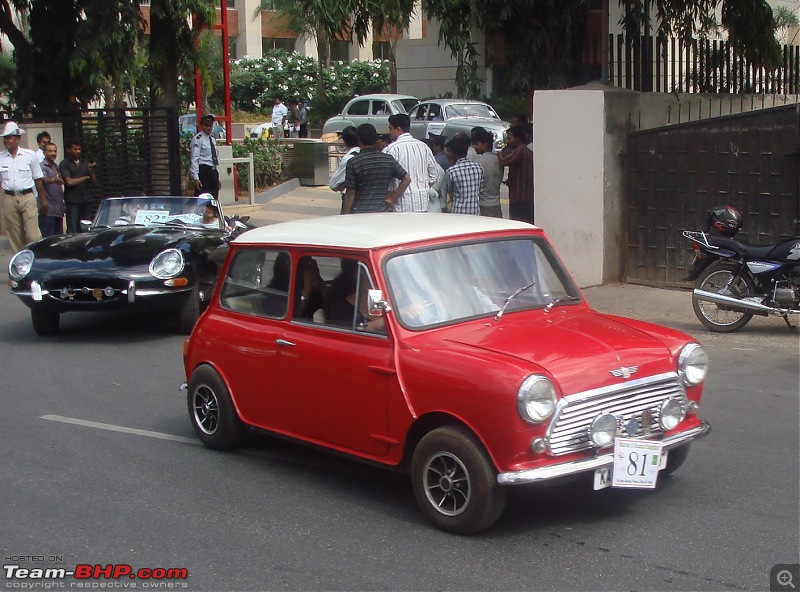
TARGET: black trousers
(209,180)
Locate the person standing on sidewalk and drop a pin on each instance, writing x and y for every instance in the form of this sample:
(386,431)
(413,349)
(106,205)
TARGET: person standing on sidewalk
(465,179)
(482,141)
(204,159)
(519,161)
(20,172)
(279,115)
(369,174)
(303,120)
(350,139)
(52,221)
(77,174)
(42,138)
(417,159)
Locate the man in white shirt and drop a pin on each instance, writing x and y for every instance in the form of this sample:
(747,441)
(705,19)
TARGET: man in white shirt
(350,139)
(42,138)
(417,160)
(20,172)
(279,116)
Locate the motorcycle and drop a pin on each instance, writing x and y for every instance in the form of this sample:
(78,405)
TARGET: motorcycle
(735,280)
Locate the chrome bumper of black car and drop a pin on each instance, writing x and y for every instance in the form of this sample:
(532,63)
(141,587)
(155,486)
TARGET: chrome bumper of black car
(590,464)
(37,294)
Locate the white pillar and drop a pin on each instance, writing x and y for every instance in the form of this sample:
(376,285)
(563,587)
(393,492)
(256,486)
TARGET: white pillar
(248,43)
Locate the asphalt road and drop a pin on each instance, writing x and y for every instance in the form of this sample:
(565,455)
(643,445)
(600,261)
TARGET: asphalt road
(275,516)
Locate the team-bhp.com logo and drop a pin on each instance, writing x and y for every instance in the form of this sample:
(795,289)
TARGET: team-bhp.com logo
(156,576)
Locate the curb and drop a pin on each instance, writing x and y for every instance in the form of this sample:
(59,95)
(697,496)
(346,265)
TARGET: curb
(276,192)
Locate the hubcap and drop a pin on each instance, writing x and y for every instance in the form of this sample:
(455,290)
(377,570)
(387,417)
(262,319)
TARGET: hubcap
(447,484)
(206,410)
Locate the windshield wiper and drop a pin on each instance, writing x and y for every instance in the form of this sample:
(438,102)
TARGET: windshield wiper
(510,298)
(566,298)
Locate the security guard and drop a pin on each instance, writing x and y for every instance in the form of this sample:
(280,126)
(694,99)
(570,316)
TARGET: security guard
(20,172)
(204,159)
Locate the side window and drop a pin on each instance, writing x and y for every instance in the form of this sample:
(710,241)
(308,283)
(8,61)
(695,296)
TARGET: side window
(380,108)
(434,112)
(359,108)
(313,284)
(418,112)
(347,300)
(257,283)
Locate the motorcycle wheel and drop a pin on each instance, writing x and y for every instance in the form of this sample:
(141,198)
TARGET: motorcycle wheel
(719,317)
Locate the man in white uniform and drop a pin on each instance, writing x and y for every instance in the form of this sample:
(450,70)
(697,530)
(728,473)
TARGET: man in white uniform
(20,172)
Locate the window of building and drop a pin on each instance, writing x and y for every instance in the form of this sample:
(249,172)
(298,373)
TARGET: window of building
(380,50)
(231,3)
(340,50)
(270,43)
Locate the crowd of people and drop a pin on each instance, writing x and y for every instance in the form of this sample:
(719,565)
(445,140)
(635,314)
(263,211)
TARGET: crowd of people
(462,175)
(38,191)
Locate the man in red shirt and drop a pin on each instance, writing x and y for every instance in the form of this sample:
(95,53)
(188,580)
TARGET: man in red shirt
(518,157)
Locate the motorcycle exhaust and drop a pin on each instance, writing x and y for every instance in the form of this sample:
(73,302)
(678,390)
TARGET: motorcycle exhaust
(748,305)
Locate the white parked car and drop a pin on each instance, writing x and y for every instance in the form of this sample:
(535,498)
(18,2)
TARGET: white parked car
(374,109)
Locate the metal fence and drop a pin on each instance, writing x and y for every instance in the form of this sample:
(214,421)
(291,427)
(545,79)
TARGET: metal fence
(136,151)
(661,64)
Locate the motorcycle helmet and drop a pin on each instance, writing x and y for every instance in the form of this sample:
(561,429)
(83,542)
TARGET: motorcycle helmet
(725,220)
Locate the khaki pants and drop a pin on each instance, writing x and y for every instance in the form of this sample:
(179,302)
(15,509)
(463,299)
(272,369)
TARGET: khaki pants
(21,219)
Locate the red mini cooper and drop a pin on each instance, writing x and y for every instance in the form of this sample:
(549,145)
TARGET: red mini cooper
(454,348)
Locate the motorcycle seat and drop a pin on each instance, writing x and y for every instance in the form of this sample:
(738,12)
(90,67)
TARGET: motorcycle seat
(741,247)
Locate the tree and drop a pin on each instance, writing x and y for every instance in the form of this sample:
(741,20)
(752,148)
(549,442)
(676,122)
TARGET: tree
(544,38)
(65,33)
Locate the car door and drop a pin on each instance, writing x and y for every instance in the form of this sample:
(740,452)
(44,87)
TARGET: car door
(337,374)
(254,299)
(358,112)
(419,121)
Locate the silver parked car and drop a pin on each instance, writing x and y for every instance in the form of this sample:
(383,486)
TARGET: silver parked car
(374,109)
(447,117)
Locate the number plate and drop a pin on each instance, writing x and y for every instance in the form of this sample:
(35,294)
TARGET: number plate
(636,465)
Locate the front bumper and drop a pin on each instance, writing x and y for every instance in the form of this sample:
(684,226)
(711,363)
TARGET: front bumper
(590,464)
(86,298)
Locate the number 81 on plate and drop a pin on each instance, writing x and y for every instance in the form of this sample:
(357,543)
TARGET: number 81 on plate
(636,465)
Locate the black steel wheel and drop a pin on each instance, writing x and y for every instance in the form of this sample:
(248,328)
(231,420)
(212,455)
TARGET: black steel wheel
(45,322)
(189,311)
(719,279)
(455,483)
(211,410)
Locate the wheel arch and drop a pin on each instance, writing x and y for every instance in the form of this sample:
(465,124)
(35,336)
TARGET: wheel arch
(224,380)
(432,421)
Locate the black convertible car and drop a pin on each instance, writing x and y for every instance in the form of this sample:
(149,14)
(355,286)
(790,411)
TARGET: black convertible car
(140,253)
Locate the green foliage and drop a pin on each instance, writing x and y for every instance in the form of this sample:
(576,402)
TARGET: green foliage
(267,161)
(255,83)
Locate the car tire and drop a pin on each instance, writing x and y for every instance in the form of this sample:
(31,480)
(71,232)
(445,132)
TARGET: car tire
(45,322)
(211,411)
(455,483)
(676,458)
(189,311)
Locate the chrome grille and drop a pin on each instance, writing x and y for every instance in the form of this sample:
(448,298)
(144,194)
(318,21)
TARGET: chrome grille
(569,428)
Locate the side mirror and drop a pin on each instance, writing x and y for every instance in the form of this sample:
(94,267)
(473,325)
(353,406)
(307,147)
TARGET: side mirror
(85,225)
(376,305)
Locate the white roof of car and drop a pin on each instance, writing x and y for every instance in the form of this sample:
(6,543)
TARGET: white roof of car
(370,231)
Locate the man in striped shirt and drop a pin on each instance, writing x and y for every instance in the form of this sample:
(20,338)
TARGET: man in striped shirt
(465,179)
(368,175)
(417,159)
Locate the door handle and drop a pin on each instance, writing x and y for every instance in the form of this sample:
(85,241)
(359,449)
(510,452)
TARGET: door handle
(284,342)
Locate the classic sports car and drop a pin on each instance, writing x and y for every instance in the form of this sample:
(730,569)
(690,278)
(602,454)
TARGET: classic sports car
(145,253)
(447,117)
(454,348)
(374,109)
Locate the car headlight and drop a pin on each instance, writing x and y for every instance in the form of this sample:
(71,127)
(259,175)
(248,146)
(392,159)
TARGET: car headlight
(167,264)
(20,265)
(603,430)
(536,399)
(671,414)
(692,364)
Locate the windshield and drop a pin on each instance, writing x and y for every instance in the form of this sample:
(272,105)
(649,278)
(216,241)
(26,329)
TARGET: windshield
(471,280)
(196,212)
(479,110)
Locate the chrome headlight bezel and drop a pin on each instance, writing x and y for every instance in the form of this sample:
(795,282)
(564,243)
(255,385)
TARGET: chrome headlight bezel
(671,413)
(603,430)
(536,399)
(20,264)
(693,364)
(167,264)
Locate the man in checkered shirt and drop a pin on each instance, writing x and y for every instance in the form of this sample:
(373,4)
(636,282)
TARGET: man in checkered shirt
(464,179)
